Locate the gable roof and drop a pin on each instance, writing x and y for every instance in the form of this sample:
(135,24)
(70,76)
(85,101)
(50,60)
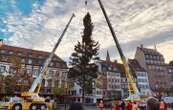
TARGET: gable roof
(134,64)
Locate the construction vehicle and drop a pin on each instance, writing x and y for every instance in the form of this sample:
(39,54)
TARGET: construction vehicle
(133,91)
(31,100)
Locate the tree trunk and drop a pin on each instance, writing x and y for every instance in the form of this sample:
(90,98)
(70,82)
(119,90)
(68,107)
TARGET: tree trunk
(83,87)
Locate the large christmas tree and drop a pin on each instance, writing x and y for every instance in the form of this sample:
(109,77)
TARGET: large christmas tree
(83,69)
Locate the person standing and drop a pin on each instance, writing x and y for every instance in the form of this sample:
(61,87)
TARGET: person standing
(114,105)
(162,105)
(118,106)
(129,105)
(135,106)
(152,104)
(123,105)
(101,105)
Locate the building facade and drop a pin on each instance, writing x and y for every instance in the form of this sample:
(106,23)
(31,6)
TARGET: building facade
(141,77)
(112,84)
(16,61)
(153,62)
(170,73)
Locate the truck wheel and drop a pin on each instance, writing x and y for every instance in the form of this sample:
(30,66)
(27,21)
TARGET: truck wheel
(43,107)
(17,107)
(33,107)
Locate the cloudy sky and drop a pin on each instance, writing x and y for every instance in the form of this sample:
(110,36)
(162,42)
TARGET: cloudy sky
(37,24)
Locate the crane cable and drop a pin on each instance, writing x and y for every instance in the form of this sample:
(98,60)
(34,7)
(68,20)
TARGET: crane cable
(86,6)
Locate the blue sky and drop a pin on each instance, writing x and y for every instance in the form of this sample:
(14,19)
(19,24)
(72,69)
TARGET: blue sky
(37,24)
(8,7)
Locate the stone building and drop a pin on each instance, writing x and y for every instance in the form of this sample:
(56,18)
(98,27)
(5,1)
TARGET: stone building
(154,63)
(15,61)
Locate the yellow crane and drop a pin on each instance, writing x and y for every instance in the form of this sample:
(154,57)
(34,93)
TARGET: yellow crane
(132,89)
(30,100)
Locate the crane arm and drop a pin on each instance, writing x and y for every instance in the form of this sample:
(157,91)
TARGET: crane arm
(35,88)
(123,58)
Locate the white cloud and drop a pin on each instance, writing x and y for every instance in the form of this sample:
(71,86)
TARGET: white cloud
(134,21)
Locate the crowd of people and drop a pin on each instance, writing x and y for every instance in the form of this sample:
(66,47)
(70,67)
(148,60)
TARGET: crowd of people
(151,104)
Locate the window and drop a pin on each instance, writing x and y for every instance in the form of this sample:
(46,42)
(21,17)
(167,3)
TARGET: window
(23,60)
(28,71)
(35,72)
(2,69)
(40,57)
(73,92)
(20,54)
(30,55)
(50,72)
(150,56)
(109,86)
(51,64)
(29,61)
(57,64)
(2,51)
(146,56)
(170,70)
(80,91)
(11,52)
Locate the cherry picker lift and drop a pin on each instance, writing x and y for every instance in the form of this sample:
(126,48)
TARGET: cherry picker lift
(31,100)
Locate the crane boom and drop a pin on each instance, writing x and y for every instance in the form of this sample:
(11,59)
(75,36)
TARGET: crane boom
(131,86)
(35,88)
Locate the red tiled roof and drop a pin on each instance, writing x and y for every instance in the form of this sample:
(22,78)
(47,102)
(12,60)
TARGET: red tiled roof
(115,64)
(28,53)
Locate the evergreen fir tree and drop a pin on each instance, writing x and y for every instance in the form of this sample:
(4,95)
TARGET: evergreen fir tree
(83,69)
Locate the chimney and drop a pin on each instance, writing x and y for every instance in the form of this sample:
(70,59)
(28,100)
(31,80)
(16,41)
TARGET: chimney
(141,46)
